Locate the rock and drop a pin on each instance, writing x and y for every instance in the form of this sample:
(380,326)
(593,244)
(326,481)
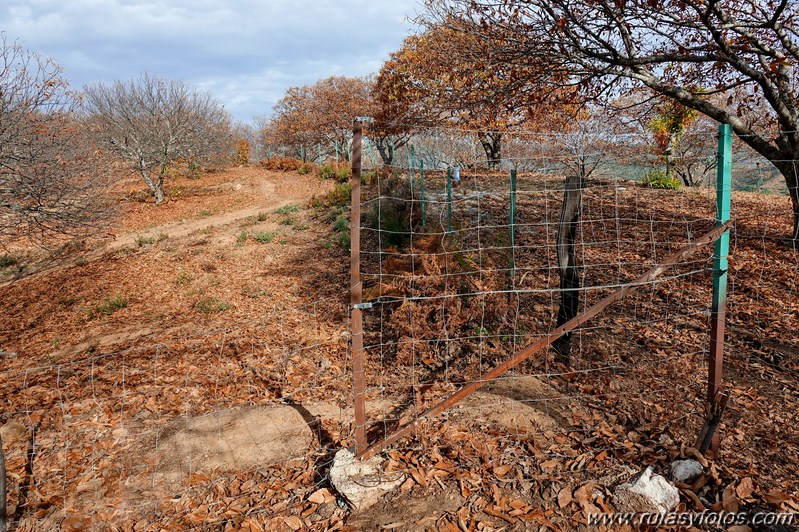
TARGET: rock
(646,493)
(686,471)
(227,440)
(616,474)
(13,433)
(362,483)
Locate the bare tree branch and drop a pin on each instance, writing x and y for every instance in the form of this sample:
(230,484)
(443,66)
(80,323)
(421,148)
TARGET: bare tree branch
(48,183)
(688,50)
(151,123)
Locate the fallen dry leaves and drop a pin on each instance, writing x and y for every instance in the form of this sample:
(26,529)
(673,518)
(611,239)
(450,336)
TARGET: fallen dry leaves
(98,391)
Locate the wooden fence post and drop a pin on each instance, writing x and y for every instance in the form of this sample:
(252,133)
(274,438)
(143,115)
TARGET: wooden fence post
(356,324)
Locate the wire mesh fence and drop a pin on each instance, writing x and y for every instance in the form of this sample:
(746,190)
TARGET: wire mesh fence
(463,267)
(461,270)
(181,431)
(470,256)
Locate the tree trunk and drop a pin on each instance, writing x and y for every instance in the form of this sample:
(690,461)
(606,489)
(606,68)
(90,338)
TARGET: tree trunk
(156,187)
(386,154)
(790,171)
(492,145)
(567,261)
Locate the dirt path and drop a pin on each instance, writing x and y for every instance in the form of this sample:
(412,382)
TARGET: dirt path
(185,228)
(274,194)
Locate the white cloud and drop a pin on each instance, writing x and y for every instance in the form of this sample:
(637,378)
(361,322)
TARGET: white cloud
(245,52)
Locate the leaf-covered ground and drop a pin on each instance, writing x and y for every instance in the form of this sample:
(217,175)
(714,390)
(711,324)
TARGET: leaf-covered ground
(243,301)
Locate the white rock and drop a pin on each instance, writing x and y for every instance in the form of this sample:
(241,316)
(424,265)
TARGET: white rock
(362,483)
(646,493)
(686,471)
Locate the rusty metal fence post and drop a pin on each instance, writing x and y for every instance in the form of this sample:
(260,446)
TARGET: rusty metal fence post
(356,322)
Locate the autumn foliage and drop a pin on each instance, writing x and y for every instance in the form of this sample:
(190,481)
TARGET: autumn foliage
(317,119)
(735,61)
(242,152)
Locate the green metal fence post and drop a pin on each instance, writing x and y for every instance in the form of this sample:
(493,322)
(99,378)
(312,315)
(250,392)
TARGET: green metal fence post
(371,154)
(512,224)
(421,177)
(720,265)
(413,168)
(449,200)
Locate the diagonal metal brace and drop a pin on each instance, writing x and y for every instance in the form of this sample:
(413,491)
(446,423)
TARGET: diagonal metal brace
(535,347)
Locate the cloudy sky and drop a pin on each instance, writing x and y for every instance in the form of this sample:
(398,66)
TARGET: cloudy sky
(246,52)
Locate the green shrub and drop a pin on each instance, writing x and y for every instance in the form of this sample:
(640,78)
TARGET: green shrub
(659,179)
(263,216)
(334,213)
(343,173)
(305,168)
(334,208)
(340,195)
(342,223)
(394,211)
(326,171)
(242,238)
(6,261)
(315,203)
(287,209)
(210,305)
(111,305)
(184,278)
(341,231)
(369,178)
(142,241)
(194,169)
(264,237)
(339,171)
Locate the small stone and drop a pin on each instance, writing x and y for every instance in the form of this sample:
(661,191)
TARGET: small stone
(646,493)
(13,432)
(362,483)
(686,471)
